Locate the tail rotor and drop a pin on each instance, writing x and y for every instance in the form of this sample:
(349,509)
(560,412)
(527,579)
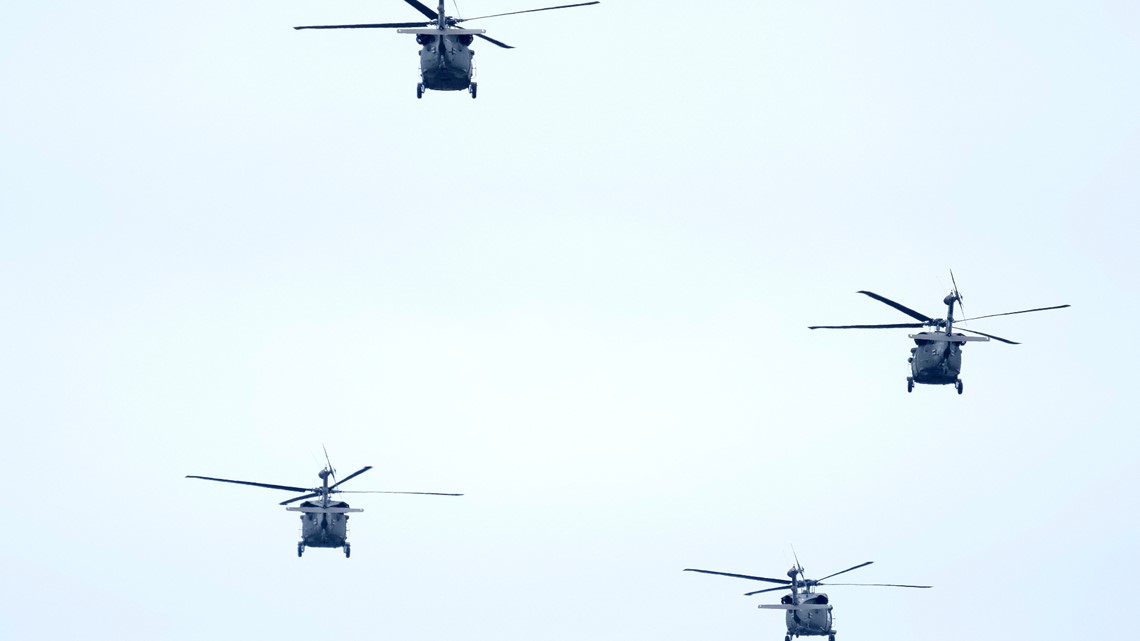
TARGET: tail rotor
(328,464)
(956,294)
(798,569)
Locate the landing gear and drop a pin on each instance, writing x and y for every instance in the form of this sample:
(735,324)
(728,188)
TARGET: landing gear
(831,637)
(300,549)
(347,551)
(419,91)
(909,389)
(788,637)
(958,385)
(474,89)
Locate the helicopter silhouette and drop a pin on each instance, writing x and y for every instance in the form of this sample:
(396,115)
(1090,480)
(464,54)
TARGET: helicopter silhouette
(445,55)
(807,612)
(936,358)
(324,522)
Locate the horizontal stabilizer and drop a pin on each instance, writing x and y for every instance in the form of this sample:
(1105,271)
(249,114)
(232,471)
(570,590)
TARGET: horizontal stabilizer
(943,338)
(447,32)
(324,510)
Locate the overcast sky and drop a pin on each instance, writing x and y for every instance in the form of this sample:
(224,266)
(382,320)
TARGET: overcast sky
(581,300)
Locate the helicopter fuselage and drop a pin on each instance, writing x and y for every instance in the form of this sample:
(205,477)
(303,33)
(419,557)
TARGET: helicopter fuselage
(324,526)
(446,61)
(936,358)
(808,622)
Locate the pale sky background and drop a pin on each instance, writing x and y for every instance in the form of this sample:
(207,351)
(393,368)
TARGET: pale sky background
(582,300)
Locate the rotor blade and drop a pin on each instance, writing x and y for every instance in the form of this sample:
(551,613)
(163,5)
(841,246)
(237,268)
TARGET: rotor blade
(493,41)
(782,587)
(887,326)
(742,576)
(1024,311)
(902,308)
(352,476)
(384,25)
(385,492)
(788,606)
(880,585)
(854,567)
(496,15)
(422,8)
(300,498)
(288,488)
(996,338)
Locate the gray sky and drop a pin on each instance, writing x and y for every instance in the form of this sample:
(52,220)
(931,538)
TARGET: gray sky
(582,300)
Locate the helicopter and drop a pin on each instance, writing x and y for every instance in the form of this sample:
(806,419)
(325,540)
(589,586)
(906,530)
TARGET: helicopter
(324,522)
(445,54)
(807,612)
(936,358)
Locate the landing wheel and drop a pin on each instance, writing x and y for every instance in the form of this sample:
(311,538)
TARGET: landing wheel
(474,89)
(420,90)
(300,549)
(831,637)
(909,389)
(347,551)
(958,385)
(788,638)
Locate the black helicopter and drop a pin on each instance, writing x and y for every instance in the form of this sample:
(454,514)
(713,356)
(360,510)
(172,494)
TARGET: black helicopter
(936,358)
(445,57)
(807,612)
(324,522)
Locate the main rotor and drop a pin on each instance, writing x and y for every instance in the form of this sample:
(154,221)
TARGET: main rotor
(324,490)
(438,19)
(796,580)
(944,325)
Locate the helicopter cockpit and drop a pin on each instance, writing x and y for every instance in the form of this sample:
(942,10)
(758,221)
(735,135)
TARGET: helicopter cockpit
(464,39)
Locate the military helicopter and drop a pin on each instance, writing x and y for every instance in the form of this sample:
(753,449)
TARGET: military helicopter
(445,56)
(807,612)
(324,522)
(936,358)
